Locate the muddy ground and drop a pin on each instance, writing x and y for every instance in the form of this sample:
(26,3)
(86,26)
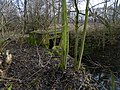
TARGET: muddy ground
(36,68)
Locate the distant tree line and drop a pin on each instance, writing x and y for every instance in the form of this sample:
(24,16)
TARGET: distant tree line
(38,14)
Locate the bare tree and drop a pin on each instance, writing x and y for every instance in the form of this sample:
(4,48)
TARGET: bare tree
(25,16)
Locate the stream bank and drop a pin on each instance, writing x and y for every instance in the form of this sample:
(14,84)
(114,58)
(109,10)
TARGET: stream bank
(101,61)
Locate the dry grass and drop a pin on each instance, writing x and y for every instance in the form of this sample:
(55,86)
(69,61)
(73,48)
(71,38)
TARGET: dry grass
(90,27)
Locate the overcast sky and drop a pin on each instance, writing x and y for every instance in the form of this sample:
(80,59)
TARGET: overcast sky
(82,4)
(94,2)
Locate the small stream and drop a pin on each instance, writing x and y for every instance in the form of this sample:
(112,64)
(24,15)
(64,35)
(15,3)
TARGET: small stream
(104,81)
(101,61)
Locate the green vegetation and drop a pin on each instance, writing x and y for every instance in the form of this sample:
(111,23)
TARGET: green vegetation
(83,37)
(10,87)
(113,81)
(54,21)
(65,36)
(58,45)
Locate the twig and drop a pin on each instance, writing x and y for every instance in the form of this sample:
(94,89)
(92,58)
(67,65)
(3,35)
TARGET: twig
(39,57)
(12,79)
(34,74)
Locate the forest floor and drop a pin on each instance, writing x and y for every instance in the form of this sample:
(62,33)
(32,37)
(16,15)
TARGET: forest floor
(101,62)
(35,68)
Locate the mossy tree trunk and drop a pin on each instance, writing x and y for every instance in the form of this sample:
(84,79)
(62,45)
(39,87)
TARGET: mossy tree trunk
(76,33)
(65,36)
(54,21)
(83,36)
